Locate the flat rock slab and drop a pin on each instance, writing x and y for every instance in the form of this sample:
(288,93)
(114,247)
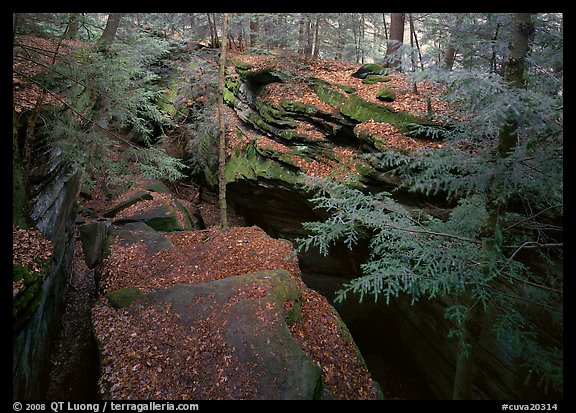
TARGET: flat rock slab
(134,232)
(223,339)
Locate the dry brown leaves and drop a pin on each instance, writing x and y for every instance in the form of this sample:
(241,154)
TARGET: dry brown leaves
(148,354)
(30,249)
(199,256)
(320,334)
(33,55)
(340,73)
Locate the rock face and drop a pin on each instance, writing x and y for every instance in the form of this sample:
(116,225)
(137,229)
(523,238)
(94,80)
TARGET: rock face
(251,354)
(286,136)
(51,203)
(181,316)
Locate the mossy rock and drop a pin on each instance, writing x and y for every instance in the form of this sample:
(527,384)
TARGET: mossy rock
(327,94)
(256,326)
(372,79)
(370,69)
(28,298)
(360,110)
(165,101)
(161,218)
(386,95)
(240,64)
(124,297)
(252,166)
(156,185)
(139,196)
(265,76)
(273,114)
(136,232)
(231,89)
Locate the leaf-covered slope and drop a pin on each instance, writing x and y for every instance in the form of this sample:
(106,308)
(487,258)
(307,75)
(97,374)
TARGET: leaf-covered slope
(293,118)
(137,362)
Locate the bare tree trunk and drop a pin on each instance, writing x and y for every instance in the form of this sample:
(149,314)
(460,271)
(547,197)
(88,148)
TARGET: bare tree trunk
(317,39)
(493,68)
(396,38)
(450,50)
(339,42)
(110,30)
(385,27)
(73,26)
(464,375)
(518,48)
(301,38)
(254,31)
(222,126)
(192,20)
(213,30)
(361,38)
(309,40)
(14,26)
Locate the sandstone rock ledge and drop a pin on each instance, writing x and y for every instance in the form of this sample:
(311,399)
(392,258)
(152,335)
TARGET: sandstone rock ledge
(217,315)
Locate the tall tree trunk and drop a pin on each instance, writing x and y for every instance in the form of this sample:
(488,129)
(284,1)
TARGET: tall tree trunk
(110,30)
(518,48)
(465,362)
(254,31)
(309,40)
(14,26)
(339,42)
(222,126)
(317,39)
(449,53)
(493,59)
(396,39)
(192,20)
(384,24)
(213,30)
(73,26)
(301,38)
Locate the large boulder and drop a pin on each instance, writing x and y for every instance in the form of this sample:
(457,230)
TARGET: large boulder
(228,339)
(93,236)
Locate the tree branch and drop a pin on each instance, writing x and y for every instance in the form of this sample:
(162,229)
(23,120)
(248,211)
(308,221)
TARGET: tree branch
(59,99)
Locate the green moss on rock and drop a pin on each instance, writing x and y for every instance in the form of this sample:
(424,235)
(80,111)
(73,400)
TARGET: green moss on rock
(360,110)
(29,295)
(243,165)
(240,65)
(372,79)
(386,95)
(123,297)
(327,94)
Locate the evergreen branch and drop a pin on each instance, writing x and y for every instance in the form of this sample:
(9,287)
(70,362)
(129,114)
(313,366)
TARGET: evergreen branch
(59,99)
(533,216)
(517,297)
(441,234)
(534,245)
(536,285)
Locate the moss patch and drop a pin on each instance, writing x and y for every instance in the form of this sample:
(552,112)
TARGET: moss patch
(386,95)
(248,165)
(360,110)
(372,79)
(30,294)
(123,297)
(327,94)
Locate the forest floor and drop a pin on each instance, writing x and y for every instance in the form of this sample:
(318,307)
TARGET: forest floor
(75,365)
